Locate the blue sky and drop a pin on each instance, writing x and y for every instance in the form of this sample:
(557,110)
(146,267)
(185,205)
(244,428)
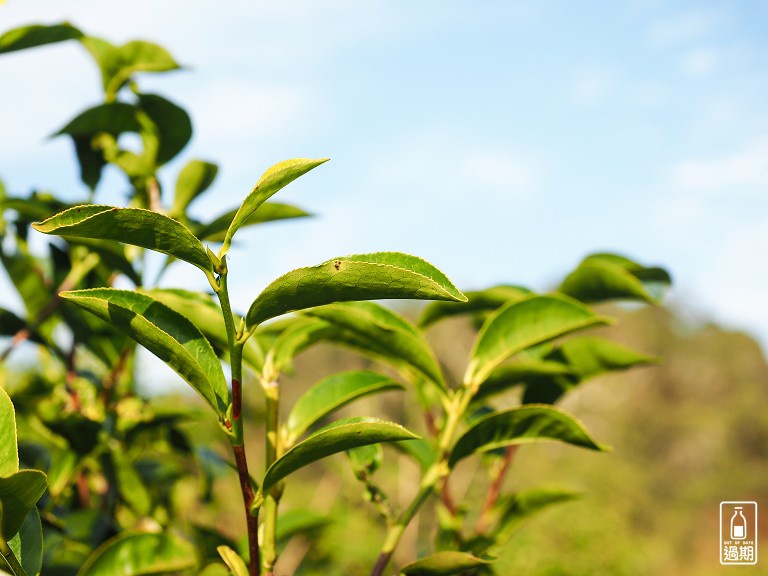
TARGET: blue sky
(502,141)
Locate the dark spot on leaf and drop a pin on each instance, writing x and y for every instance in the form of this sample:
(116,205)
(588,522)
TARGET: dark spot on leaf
(337,264)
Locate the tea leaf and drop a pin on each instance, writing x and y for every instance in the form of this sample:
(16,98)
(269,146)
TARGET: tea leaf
(9,451)
(137,554)
(358,277)
(590,356)
(233,561)
(602,277)
(194,179)
(443,564)
(131,226)
(273,180)
(383,332)
(27,545)
(480,301)
(165,333)
(215,231)
(19,492)
(332,393)
(337,437)
(37,35)
(520,425)
(522,324)
(121,62)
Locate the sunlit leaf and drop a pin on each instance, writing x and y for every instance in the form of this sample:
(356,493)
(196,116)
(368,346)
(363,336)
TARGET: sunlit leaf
(203,312)
(332,393)
(382,333)
(132,226)
(337,437)
(520,425)
(233,561)
(602,277)
(194,179)
(300,335)
(273,180)
(122,62)
(19,492)
(590,356)
(37,35)
(478,301)
(359,277)
(267,212)
(9,451)
(27,545)
(506,376)
(522,324)
(443,564)
(137,554)
(165,333)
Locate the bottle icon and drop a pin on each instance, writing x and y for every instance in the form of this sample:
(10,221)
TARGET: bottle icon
(738,524)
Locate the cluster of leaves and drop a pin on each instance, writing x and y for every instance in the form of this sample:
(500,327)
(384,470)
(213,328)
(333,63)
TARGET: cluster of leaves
(112,457)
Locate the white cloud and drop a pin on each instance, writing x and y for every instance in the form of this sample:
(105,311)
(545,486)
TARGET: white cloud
(735,172)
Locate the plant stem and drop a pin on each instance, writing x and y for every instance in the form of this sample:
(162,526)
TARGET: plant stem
(236,425)
(436,473)
(272,430)
(10,559)
(494,490)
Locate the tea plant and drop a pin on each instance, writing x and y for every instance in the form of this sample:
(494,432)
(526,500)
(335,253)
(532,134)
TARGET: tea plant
(112,457)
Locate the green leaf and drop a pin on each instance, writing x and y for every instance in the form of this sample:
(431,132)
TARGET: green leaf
(300,335)
(9,451)
(299,520)
(524,372)
(385,334)
(590,356)
(233,561)
(206,314)
(37,35)
(122,62)
(174,127)
(520,425)
(268,212)
(131,226)
(515,508)
(481,301)
(131,487)
(332,393)
(10,324)
(359,277)
(602,277)
(194,179)
(139,554)
(112,253)
(112,118)
(165,333)
(522,324)
(27,277)
(273,180)
(337,437)
(443,564)
(418,449)
(19,492)
(365,460)
(27,545)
